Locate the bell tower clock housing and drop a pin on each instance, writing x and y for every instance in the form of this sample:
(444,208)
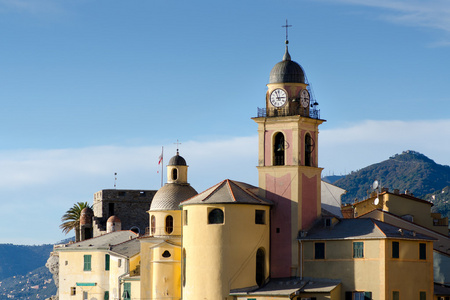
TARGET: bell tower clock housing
(288,162)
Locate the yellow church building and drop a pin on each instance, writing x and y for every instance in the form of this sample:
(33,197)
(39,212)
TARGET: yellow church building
(276,241)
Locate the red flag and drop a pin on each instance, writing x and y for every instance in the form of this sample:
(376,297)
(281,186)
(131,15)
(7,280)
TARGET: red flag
(160,159)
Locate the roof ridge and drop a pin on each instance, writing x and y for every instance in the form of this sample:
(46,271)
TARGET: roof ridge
(229,182)
(376,225)
(214,189)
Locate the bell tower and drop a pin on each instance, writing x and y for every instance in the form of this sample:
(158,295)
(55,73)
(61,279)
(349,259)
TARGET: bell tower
(288,161)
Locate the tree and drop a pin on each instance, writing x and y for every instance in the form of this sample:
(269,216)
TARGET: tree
(71,219)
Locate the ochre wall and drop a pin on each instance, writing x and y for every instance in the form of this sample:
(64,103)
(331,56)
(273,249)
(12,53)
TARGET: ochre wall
(221,257)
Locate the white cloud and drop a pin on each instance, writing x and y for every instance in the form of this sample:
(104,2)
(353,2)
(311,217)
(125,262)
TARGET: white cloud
(38,186)
(431,14)
(30,6)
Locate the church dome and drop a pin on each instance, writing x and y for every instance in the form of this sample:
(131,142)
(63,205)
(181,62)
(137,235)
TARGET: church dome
(177,160)
(170,196)
(287,71)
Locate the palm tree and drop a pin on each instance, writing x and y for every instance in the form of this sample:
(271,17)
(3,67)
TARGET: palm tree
(71,219)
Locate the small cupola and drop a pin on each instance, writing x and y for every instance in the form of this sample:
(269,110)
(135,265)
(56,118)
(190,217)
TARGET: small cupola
(177,170)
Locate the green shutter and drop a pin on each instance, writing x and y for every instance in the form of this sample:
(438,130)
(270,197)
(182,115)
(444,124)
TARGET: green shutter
(367,295)
(358,249)
(87,263)
(126,291)
(395,295)
(423,295)
(107,259)
(106,297)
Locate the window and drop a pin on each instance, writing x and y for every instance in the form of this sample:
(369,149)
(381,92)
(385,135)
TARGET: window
(111,209)
(260,217)
(106,296)
(308,149)
(395,295)
(107,259)
(152,225)
(73,291)
(358,295)
(319,251)
(169,224)
(126,291)
(260,264)
(358,249)
(395,250)
(423,251)
(87,263)
(185,219)
(174,174)
(278,149)
(85,295)
(119,263)
(166,254)
(423,295)
(215,216)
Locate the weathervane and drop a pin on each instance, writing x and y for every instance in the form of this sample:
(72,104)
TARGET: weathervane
(286,26)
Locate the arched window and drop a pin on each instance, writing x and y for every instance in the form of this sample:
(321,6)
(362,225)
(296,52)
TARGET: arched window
(169,224)
(260,267)
(166,254)
(215,216)
(152,225)
(308,149)
(278,149)
(174,174)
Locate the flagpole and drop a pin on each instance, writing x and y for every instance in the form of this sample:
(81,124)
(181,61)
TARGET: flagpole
(162,164)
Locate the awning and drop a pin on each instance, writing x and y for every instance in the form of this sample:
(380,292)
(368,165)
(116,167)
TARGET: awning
(86,284)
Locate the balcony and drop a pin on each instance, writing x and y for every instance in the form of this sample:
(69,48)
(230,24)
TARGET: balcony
(283,112)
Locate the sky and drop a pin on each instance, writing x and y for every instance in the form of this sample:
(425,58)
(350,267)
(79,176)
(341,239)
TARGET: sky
(92,88)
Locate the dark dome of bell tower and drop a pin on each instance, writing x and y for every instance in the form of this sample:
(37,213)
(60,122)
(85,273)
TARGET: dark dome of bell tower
(287,71)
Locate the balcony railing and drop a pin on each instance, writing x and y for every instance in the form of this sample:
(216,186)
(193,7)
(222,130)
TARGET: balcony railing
(283,112)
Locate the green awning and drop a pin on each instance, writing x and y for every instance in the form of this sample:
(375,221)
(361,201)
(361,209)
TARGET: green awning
(86,284)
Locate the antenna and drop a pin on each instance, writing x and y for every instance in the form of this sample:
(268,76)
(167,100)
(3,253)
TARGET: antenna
(115,179)
(375,186)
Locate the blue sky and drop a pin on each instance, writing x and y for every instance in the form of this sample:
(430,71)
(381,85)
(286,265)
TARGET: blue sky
(89,88)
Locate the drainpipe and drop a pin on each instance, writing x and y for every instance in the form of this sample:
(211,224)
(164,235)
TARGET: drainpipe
(301,260)
(122,276)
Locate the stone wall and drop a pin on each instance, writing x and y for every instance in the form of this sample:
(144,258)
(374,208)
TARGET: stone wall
(130,206)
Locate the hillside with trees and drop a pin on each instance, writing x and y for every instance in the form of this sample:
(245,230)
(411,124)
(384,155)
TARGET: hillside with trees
(410,171)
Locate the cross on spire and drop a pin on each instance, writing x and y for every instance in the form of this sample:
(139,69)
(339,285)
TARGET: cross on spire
(286,26)
(178,144)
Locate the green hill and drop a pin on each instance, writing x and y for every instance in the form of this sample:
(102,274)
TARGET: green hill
(409,170)
(21,259)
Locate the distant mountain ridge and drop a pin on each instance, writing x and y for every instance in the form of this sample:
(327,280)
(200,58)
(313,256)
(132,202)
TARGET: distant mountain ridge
(410,171)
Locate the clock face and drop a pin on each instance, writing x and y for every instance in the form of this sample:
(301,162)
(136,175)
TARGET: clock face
(278,97)
(304,98)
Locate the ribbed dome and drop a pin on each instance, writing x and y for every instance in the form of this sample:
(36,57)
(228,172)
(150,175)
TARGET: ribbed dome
(287,71)
(177,160)
(170,196)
